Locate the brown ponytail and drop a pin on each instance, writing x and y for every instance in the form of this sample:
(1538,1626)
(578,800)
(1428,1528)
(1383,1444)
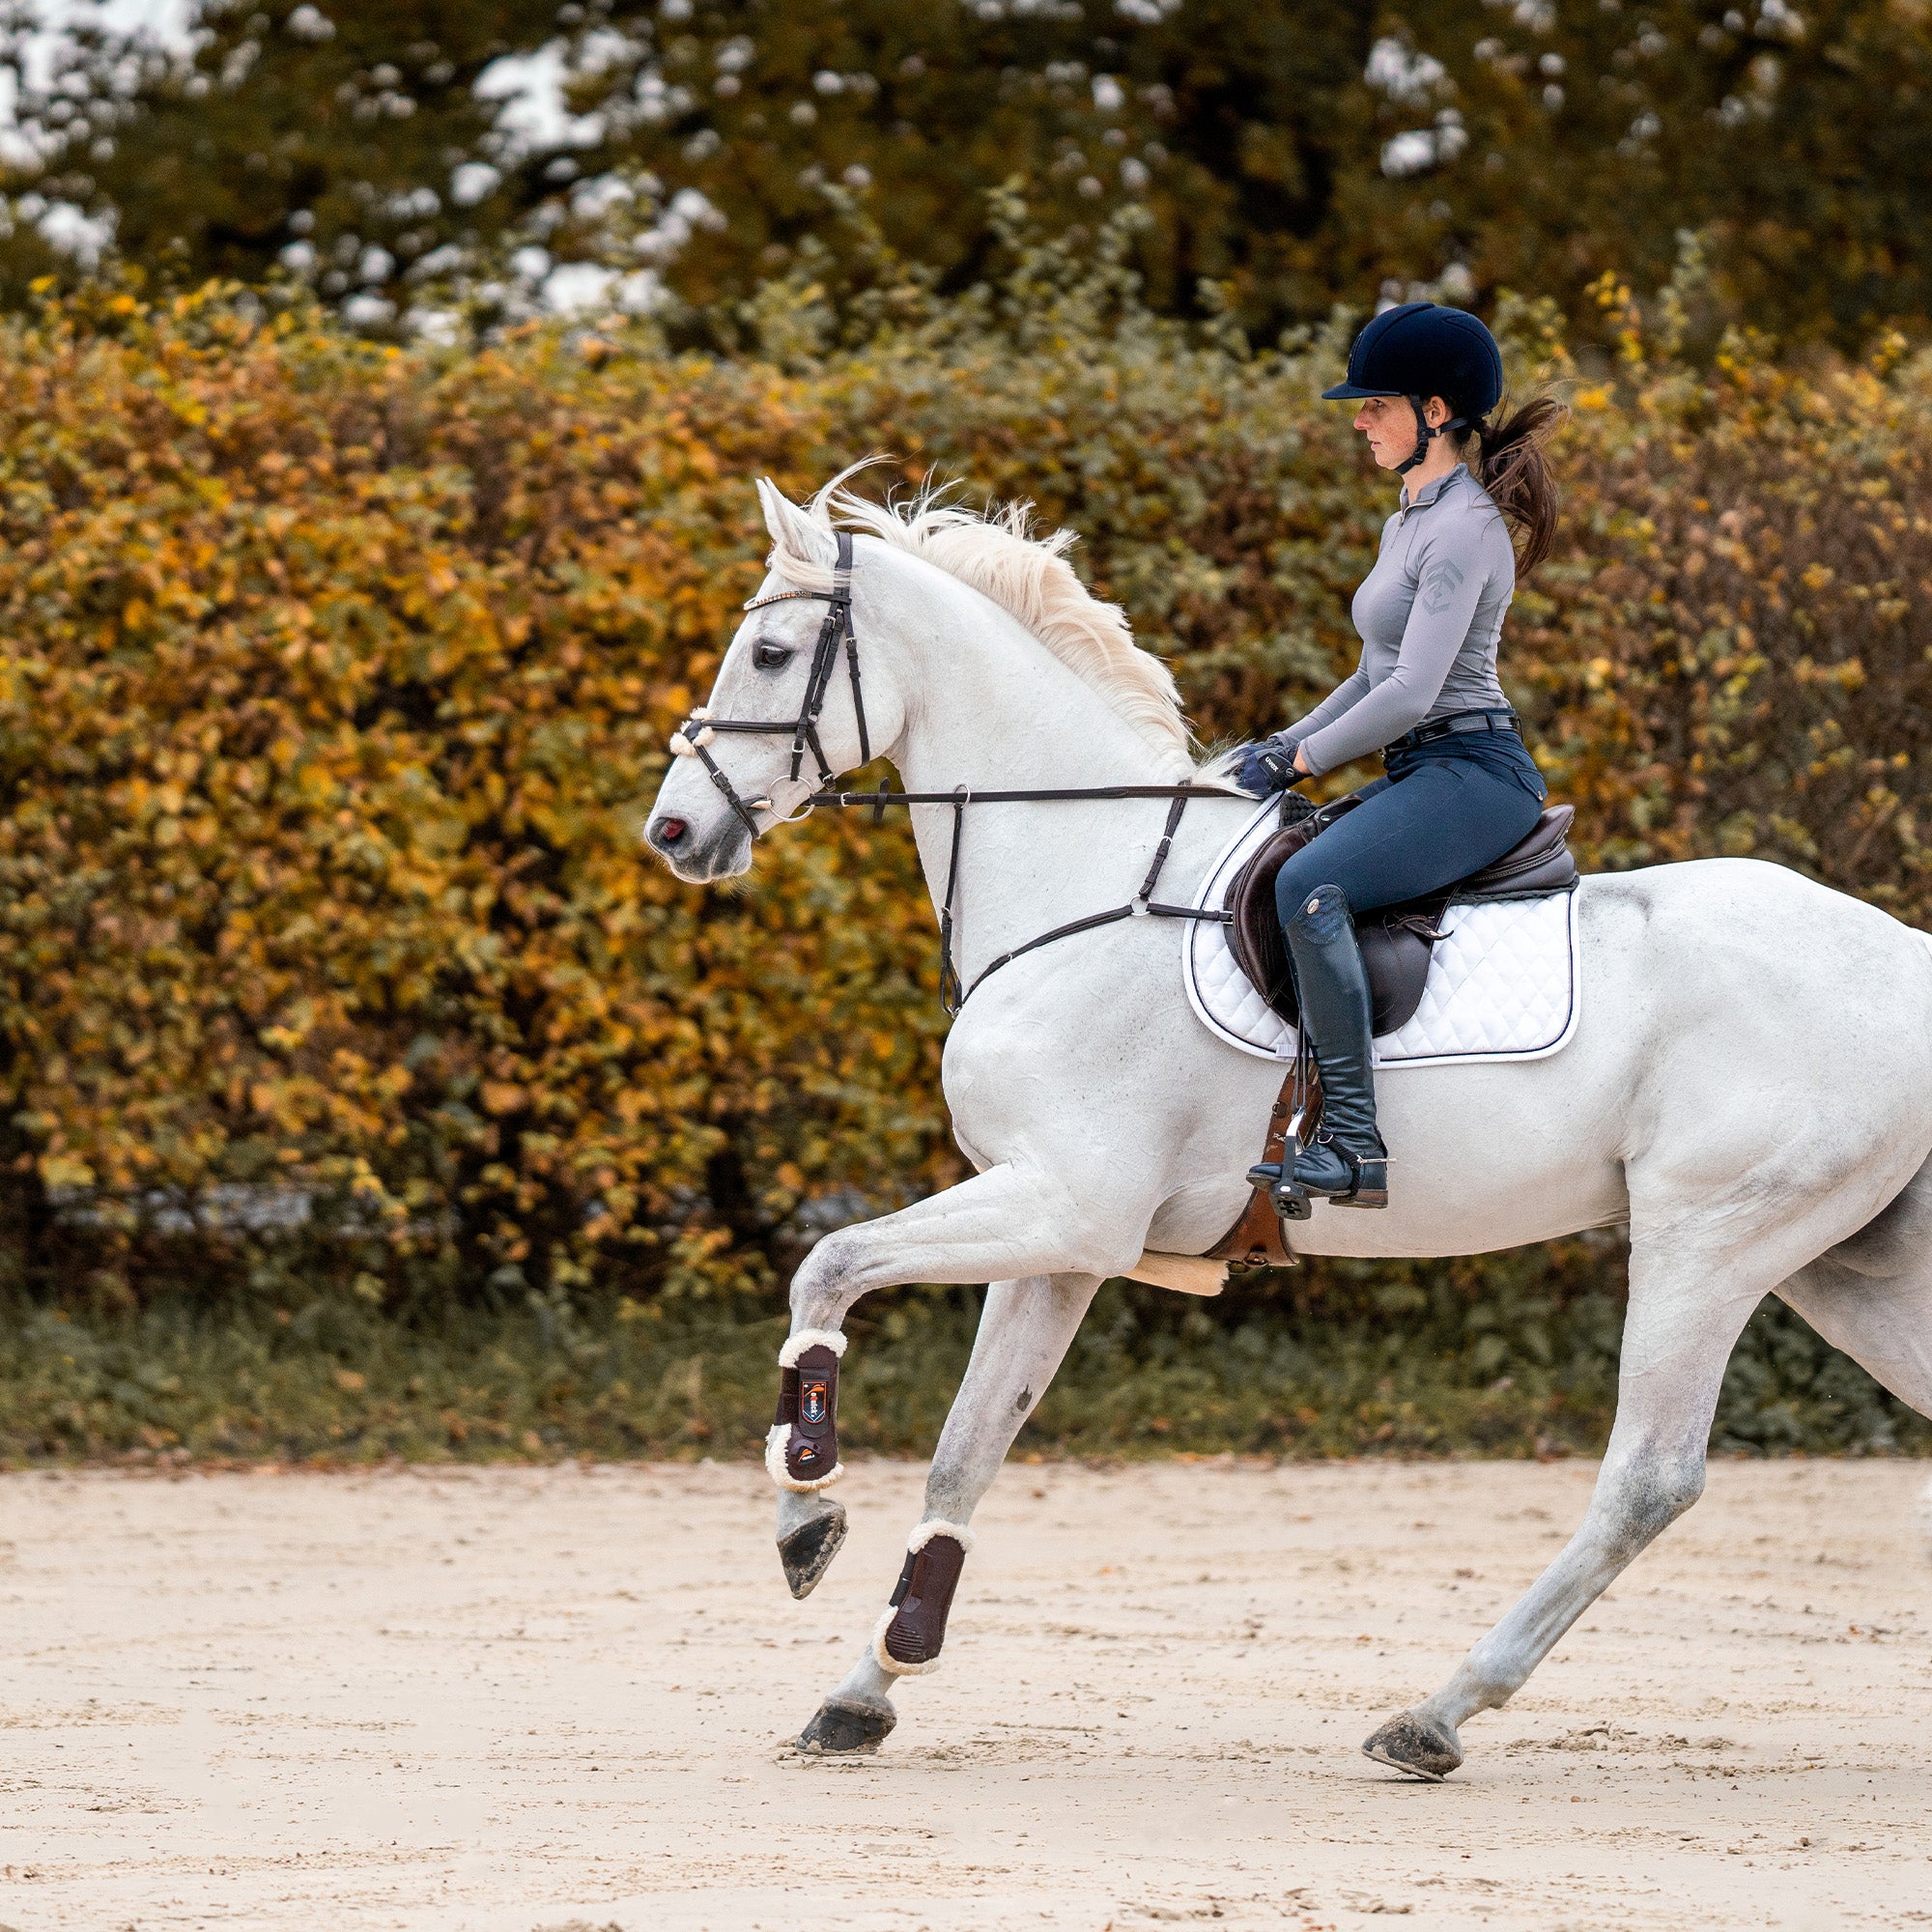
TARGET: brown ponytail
(1511,466)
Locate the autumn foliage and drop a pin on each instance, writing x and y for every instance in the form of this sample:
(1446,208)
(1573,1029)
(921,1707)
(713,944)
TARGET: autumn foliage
(334,675)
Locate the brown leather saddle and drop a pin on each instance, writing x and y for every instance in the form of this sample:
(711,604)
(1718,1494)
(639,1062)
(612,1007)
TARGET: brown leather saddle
(1395,940)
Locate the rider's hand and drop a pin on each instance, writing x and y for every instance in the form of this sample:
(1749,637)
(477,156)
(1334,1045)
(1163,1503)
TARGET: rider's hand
(1266,768)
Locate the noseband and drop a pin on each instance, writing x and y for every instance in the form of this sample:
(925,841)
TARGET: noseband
(693,740)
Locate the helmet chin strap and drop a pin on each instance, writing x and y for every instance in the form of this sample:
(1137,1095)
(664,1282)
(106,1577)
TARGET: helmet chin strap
(1424,434)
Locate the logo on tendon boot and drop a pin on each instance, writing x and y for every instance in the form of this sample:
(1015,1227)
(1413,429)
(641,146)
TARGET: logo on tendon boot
(811,1402)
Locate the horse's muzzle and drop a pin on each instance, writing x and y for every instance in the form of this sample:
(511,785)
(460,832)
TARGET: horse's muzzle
(697,858)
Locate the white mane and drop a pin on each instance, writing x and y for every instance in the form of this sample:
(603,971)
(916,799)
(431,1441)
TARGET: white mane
(999,554)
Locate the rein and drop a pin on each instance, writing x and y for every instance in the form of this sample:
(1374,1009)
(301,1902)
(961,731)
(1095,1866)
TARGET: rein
(693,739)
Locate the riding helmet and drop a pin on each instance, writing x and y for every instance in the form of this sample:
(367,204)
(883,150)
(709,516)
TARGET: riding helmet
(1423,350)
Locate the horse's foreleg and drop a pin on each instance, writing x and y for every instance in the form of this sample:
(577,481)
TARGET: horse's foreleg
(1025,1329)
(1685,1316)
(1006,1224)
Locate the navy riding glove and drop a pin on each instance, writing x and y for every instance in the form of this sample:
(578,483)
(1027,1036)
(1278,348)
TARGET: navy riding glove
(1267,768)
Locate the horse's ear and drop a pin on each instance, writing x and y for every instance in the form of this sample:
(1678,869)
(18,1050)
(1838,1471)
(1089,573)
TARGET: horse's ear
(796,532)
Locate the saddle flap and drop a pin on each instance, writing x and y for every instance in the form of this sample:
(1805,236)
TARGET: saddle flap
(1395,940)
(1397,960)
(1255,935)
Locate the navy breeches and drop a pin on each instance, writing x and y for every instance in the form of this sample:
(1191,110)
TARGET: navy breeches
(1432,821)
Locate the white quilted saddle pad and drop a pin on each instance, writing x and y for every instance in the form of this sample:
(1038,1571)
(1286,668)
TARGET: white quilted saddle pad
(1504,985)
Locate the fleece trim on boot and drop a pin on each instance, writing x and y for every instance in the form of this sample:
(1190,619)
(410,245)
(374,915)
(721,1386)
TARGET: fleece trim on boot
(810,1338)
(924,1532)
(777,1439)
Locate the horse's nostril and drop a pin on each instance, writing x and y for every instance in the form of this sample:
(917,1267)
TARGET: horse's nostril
(671,831)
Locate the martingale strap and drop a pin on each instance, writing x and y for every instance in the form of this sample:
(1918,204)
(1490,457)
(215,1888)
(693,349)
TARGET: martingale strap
(1142,905)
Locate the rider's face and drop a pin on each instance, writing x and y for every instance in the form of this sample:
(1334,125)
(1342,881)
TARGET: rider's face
(1389,424)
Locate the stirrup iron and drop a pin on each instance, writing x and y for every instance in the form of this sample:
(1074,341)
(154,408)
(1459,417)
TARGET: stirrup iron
(1294,1200)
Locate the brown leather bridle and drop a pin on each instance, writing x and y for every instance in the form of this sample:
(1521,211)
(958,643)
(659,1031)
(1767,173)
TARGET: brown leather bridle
(693,739)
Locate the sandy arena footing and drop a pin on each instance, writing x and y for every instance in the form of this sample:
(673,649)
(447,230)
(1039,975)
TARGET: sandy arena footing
(505,1700)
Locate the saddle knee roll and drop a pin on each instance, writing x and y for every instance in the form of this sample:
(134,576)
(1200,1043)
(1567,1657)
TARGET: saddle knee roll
(802,1449)
(913,1630)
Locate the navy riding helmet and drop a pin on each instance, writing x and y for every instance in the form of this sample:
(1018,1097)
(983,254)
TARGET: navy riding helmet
(1420,349)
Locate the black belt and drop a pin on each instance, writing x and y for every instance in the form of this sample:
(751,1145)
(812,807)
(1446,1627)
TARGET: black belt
(1457,723)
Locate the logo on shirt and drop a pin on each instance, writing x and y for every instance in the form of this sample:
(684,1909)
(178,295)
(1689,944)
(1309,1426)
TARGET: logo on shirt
(1439,585)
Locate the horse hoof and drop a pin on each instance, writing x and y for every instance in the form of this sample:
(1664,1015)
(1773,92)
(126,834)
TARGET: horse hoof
(847,1727)
(1416,1744)
(806,1554)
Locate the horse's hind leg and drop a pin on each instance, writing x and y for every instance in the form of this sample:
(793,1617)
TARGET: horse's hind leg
(1686,1307)
(1871,1295)
(1025,1329)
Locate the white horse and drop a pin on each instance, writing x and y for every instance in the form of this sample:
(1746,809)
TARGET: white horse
(1749,1088)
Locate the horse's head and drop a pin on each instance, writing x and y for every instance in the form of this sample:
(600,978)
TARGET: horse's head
(746,756)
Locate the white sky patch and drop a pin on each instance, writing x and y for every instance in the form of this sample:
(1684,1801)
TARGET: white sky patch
(1397,69)
(1422,148)
(309,23)
(593,199)
(533,119)
(1408,153)
(530,86)
(76,232)
(163,21)
(473,182)
(575,288)
(585,288)
(690,210)
(166,21)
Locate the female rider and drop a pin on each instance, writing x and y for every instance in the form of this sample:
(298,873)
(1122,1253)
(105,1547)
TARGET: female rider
(1462,789)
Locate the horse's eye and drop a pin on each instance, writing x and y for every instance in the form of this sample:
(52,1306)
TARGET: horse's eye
(770,657)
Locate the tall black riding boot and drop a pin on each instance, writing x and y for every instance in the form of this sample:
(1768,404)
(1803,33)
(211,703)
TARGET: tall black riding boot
(1346,1161)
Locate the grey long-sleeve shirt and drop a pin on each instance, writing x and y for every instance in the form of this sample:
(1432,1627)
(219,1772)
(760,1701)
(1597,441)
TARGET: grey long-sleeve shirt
(1429,614)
